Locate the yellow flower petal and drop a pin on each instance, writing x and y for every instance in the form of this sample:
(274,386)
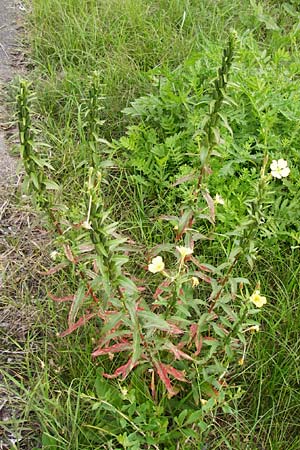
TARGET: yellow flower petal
(195,282)
(253,329)
(184,251)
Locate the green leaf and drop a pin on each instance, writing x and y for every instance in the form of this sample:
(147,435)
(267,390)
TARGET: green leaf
(76,304)
(184,221)
(49,441)
(119,260)
(51,185)
(180,419)
(219,331)
(151,320)
(268,21)
(137,350)
(41,162)
(128,285)
(194,417)
(35,180)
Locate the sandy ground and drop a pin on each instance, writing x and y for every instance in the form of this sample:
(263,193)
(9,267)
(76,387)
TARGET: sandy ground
(9,10)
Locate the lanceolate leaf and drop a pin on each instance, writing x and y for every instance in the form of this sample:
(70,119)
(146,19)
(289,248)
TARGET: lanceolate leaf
(205,267)
(116,348)
(203,277)
(211,206)
(196,336)
(179,354)
(80,322)
(54,269)
(178,374)
(163,375)
(77,302)
(69,254)
(151,320)
(132,306)
(67,298)
(184,222)
(161,288)
(123,370)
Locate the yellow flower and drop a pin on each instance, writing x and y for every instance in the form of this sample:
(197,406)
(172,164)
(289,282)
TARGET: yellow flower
(253,328)
(184,251)
(219,200)
(86,225)
(195,281)
(124,392)
(258,299)
(54,255)
(241,361)
(203,401)
(279,169)
(157,265)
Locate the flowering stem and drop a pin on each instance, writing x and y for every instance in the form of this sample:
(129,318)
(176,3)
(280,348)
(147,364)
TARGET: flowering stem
(210,139)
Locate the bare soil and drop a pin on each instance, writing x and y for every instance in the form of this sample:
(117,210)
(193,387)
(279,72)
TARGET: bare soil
(20,251)
(9,11)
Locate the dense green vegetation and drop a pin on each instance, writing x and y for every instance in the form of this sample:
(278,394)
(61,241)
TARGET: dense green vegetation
(128,87)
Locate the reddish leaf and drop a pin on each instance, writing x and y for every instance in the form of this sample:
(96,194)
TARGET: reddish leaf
(69,254)
(201,266)
(185,222)
(211,206)
(189,177)
(203,277)
(116,348)
(108,337)
(211,339)
(123,370)
(82,321)
(193,330)
(54,269)
(178,374)
(163,375)
(160,289)
(174,328)
(198,343)
(67,298)
(179,354)
(92,294)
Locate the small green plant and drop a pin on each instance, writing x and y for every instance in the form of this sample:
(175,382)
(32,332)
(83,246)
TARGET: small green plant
(36,179)
(89,119)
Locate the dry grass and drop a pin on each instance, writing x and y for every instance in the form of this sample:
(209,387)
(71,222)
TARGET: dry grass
(23,249)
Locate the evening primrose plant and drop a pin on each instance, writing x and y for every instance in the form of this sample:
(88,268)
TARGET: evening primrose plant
(181,323)
(187,332)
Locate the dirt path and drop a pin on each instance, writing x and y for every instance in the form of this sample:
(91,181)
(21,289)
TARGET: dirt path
(9,217)
(9,10)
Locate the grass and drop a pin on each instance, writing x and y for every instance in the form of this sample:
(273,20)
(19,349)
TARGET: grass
(53,386)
